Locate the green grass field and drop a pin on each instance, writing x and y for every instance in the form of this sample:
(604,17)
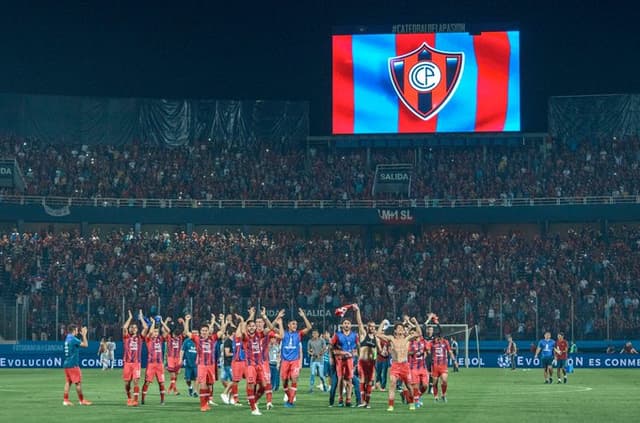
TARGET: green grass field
(475,395)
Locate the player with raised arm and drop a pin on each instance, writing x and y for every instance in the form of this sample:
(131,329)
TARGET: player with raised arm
(71,364)
(174,338)
(429,337)
(366,357)
(155,359)
(265,329)
(345,346)
(205,345)
(545,349)
(382,364)
(132,353)
(561,353)
(254,348)
(399,350)
(227,356)
(291,356)
(418,350)
(238,363)
(188,358)
(440,353)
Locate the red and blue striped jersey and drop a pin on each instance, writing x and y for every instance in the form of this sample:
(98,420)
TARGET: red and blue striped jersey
(417,354)
(253,349)
(206,348)
(266,340)
(439,352)
(132,348)
(238,349)
(154,349)
(174,345)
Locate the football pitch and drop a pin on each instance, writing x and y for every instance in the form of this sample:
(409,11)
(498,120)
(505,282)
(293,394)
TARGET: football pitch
(474,395)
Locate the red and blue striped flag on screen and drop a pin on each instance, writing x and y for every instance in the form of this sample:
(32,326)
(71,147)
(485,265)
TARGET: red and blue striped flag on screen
(414,83)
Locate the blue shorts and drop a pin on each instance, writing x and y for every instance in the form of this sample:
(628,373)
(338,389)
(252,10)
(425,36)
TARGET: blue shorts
(546,361)
(190,373)
(226,373)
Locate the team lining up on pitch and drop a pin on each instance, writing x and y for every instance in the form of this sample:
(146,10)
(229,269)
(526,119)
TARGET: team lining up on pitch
(419,361)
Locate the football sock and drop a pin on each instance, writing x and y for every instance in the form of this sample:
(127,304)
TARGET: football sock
(145,388)
(203,397)
(292,391)
(251,397)
(269,392)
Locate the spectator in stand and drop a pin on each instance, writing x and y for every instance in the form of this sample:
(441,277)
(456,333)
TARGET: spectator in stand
(210,171)
(477,271)
(628,349)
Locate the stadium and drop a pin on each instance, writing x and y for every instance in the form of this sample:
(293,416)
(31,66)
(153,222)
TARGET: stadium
(452,179)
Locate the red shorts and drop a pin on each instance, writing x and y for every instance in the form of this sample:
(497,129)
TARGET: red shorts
(206,374)
(437,371)
(73,374)
(401,372)
(289,369)
(266,371)
(366,369)
(344,367)
(420,376)
(254,374)
(238,369)
(173,364)
(131,371)
(154,370)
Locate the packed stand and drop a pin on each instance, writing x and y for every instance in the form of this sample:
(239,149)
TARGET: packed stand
(464,276)
(207,171)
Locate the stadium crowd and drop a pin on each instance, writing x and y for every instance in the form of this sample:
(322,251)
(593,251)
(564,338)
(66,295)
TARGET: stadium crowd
(208,171)
(466,276)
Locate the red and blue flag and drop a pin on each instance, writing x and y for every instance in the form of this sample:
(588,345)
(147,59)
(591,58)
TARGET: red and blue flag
(423,83)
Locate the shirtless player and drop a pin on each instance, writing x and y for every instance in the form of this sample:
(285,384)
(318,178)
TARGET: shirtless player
(399,348)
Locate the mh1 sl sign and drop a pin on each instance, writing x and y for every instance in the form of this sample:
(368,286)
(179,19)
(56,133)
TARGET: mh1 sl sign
(396,216)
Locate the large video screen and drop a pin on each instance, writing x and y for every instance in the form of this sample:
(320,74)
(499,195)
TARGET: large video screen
(424,83)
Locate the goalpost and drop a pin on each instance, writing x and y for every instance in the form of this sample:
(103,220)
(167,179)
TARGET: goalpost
(462,332)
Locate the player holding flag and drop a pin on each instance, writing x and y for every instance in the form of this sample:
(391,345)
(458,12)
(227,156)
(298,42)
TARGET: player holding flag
(366,357)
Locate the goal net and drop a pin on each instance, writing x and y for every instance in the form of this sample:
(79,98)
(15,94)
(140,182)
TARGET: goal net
(461,333)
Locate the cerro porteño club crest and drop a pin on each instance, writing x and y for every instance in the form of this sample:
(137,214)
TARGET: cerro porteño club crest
(425,79)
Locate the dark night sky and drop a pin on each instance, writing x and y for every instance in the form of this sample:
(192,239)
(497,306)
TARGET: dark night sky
(257,50)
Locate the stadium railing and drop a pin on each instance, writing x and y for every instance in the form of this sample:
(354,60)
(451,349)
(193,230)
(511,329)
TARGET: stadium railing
(54,202)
